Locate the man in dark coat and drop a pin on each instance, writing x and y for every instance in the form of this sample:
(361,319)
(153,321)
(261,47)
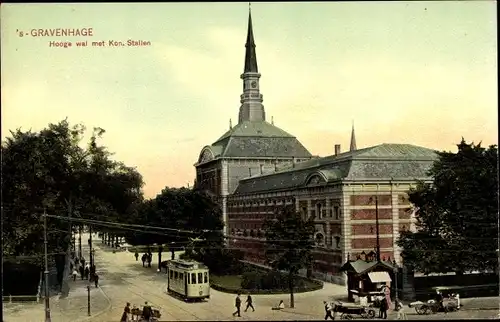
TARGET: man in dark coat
(237,304)
(96,279)
(143,258)
(147,312)
(82,272)
(383,308)
(249,303)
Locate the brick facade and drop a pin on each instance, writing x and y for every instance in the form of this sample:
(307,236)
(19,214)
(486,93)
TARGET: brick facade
(369,243)
(405,213)
(369,214)
(363,200)
(370,229)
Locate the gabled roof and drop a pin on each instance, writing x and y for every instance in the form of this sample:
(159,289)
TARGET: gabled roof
(384,161)
(258,139)
(361,267)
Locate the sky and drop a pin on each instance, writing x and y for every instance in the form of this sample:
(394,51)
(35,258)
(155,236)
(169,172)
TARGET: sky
(422,73)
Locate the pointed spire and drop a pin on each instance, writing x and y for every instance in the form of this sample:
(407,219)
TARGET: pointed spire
(353,139)
(250,55)
(272,120)
(230,124)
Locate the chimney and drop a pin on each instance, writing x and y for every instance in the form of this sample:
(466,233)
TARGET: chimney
(261,169)
(293,162)
(249,172)
(337,149)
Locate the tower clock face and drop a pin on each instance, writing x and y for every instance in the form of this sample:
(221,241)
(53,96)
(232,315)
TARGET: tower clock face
(254,84)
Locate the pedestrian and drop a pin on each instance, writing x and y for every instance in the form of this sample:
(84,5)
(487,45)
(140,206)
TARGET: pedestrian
(237,304)
(136,256)
(249,303)
(143,258)
(328,310)
(74,274)
(150,259)
(400,309)
(86,272)
(82,272)
(96,280)
(146,312)
(383,308)
(126,313)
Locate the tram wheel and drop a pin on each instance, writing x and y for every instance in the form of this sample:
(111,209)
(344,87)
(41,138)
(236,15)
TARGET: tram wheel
(371,314)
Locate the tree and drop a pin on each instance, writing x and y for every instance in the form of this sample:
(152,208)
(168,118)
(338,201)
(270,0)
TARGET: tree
(289,243)
(193,220)
(50,171)
(456,214)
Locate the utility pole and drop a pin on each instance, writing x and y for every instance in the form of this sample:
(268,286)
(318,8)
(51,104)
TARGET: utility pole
(90,245)
(80,241)
(88,300)
(377,228)
(46,273)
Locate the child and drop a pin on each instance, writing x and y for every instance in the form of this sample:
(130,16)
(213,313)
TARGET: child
(400,309)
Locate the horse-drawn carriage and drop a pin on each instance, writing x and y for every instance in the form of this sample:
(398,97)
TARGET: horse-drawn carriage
(347,310)
(137,315)
(450,303)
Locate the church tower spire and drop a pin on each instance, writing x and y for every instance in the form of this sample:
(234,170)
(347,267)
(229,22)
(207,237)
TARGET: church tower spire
(353,139)
(251,108)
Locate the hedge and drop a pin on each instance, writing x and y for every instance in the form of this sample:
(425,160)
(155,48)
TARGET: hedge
(257,280)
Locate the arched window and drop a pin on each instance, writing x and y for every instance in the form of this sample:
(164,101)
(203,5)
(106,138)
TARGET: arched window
(337,242)
(245,233)
(318,210)
(320,239)
(252,233)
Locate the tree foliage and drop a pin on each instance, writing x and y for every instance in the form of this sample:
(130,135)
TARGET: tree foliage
(456,214)
(289,243)
(186,214)
(50,171)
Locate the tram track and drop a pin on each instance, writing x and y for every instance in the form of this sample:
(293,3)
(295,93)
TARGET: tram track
(162,298)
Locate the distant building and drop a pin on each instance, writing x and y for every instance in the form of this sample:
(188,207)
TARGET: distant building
(251,147)
(339,191)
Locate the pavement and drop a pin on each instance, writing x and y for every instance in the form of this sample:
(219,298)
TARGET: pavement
(123,279)
(70,308)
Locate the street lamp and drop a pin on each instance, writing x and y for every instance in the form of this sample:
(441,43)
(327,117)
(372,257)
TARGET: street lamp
(376,226)
(396,268)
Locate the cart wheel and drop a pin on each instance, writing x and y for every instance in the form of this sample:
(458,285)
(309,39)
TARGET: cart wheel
(371,314)
(345,316)
(421,310)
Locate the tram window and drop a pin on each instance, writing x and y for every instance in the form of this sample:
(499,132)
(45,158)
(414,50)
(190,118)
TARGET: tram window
(171,274)
(187,278)
(206,277)
(193,278)
(176,275)
(181,276)
(200,278)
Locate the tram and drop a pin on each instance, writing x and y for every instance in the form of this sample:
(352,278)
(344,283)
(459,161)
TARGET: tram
(188,279)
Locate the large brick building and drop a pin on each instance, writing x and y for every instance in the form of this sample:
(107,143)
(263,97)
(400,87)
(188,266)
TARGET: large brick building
(340,192)
(256,167)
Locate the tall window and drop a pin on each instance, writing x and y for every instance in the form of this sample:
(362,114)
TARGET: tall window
(200,278)
(318,209)
(337,242)
(205,275)
(337,212)
(193,278)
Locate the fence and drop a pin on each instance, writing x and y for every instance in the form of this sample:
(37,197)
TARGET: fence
(21,298)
